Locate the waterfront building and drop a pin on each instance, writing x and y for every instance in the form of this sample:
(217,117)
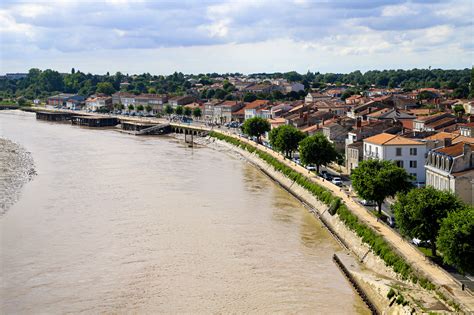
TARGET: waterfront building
(404,152)
(451,168)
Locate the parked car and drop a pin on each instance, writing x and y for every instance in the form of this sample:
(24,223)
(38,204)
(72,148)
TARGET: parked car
(391,221)
(310,167)
(337,181)
(326,175)
(367,202)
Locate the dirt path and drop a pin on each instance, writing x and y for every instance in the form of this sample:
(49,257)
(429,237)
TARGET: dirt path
(412,255)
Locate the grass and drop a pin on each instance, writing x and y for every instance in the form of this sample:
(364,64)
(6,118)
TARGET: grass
(376,242)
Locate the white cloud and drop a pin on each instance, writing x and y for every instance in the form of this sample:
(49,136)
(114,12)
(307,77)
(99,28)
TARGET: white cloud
(332,30)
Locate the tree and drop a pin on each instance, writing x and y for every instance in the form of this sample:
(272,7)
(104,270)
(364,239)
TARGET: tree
(458,109)
(152,90)
(378,179)
(148,108)
(317,150)
(105,88)
(197,112)
(255,127)
(285,139)
(169,110)
(187,111)
(21,102)
(140,108)
(249,97)
(131,107)
(179,110)
(456,239)
(420,212)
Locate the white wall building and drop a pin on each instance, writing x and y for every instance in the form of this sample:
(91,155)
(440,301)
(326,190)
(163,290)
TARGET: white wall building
(407,153)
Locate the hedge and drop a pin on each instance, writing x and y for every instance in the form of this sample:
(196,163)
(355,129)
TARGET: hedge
(368,236)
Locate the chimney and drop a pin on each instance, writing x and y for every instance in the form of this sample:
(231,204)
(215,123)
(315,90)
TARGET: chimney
(467,150)
(448,142)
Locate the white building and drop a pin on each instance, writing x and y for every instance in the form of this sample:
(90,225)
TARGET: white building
(407,153)
(451,168)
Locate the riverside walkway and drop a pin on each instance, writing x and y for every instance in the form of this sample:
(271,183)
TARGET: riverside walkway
(418,260)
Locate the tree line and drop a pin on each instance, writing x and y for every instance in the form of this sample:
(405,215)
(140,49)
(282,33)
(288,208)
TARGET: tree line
(43,83)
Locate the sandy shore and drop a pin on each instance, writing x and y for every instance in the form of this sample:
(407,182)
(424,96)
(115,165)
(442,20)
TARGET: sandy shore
(16,168)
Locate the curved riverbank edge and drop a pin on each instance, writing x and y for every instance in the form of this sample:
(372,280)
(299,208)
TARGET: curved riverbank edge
(364,243)
(16,169)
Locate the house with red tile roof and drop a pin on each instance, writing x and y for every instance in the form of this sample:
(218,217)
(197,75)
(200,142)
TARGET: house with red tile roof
(405,152)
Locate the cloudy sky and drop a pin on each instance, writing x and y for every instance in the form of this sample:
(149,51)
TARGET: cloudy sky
(196,36)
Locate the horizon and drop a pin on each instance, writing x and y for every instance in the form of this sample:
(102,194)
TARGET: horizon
(111,73)
(248,37)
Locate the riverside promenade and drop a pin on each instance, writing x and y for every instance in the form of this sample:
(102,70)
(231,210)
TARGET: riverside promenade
(412,255)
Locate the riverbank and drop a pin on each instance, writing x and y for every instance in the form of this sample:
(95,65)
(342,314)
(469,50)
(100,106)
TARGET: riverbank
(377,279)
(16,168)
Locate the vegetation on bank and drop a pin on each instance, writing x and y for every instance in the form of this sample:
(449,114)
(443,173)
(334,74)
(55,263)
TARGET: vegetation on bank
(368,236)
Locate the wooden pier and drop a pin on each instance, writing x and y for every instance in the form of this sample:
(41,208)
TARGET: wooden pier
(53,116)
(94,121)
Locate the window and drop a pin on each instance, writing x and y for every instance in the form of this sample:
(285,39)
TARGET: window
(399,163)
(398,151)
(376,151)
(412,164)
(413,151)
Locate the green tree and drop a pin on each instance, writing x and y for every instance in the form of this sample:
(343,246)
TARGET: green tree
(179,110)
(458,109)
(197,112)
(105,88)
(456,239)
(148,108)
(187,111)
(140,108)
(256,127)
(420,212)
(152,90)
(131,107)
(249,97)
(317,150)
(376,180)
(21,101)
(169,110)
(285,139)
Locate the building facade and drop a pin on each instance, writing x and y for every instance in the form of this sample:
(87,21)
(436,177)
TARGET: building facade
(451,168)
(404,152)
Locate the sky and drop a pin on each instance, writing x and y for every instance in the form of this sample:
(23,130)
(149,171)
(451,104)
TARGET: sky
(194,36)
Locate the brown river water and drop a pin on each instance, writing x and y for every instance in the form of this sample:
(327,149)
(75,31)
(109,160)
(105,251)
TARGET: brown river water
(114,223)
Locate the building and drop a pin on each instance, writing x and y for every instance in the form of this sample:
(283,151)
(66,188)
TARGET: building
(95,103)
(62,98)
(16,76)
(451,168)
(313,97)
(433,122)
(224,110)
(250,110)
(155,101)
(181,100)
(467,130)
(404,152)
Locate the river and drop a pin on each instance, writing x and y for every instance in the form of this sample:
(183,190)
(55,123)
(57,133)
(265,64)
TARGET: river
(118,223)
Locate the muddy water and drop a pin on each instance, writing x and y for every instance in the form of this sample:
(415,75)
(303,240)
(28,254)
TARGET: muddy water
(116,223)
